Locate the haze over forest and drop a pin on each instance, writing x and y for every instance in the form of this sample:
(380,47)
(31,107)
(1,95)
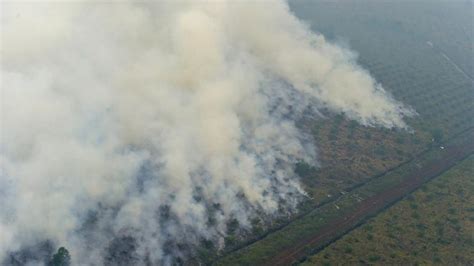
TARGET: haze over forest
(164,124)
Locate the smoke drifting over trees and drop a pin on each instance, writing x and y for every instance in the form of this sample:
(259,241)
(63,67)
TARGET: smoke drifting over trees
(145,120)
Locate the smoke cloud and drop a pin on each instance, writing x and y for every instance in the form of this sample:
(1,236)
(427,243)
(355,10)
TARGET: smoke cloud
(161,121)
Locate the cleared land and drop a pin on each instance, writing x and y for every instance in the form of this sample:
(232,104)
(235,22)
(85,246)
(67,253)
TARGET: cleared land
(321,226)
(434,225)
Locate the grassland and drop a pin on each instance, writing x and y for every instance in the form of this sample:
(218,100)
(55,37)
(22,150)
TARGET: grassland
(434,225)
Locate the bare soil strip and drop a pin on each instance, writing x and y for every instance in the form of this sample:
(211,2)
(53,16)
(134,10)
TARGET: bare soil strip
(452,153)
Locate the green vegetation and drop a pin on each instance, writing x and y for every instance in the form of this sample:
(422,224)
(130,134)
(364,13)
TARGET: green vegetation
(404,46)
(61,258)
(441,232)
(419,51)
(400,46)
(316,220)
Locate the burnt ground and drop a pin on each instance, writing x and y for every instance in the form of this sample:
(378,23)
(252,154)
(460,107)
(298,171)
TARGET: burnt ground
(336,228)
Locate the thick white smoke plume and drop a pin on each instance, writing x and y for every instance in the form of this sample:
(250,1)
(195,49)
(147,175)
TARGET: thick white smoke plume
(160,121)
